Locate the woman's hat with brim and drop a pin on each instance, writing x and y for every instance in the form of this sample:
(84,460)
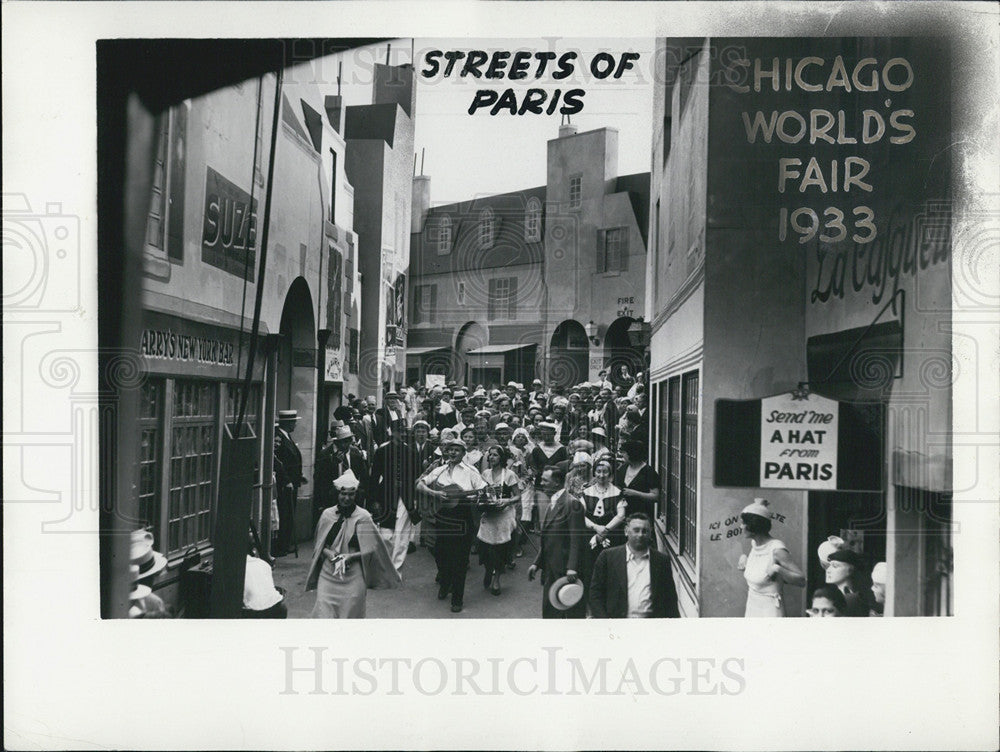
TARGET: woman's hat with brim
(598,431)
(847,556)
(342,432)
(563,594)
(347,482)
(827,547)
(879,573)
(138,591)
(423,423)
(141,554)
(547,426)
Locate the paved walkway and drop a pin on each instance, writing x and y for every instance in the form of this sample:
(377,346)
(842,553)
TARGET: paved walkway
(417,597)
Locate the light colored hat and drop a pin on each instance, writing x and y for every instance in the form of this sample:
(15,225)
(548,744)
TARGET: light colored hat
(879,573)
(546,424)
(259,593)
(342,432)
(347,482)
(536,381)
(560,401)
(423,423)
(827,547)
(141,554)
(598,431)
(500,425)
(760,507)
(138,591)
(564,594)
(288,415)
(513,384)
(434,433)
(582,457)
(456,441)
(479,393)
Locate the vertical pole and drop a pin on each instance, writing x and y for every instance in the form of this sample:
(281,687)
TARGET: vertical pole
(267,435)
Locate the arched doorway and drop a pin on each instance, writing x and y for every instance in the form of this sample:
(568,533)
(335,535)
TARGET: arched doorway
(470,336)
(569,351)
(619,354)
(296,385)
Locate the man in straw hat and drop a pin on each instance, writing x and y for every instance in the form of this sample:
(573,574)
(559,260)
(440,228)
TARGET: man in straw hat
(288,469)
(144,565)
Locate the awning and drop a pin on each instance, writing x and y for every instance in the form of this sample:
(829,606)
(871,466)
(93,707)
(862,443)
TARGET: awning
(411,351)
(495,349)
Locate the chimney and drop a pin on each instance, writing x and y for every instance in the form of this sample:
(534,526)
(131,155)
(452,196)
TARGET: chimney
(421,198)
(567,129)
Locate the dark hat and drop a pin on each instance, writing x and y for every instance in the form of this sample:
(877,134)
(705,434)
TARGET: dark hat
(847,556)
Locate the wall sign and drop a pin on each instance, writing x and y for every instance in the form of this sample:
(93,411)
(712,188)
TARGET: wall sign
(808,443)
(798,442)
(334,367)
(229,231)
(177,346)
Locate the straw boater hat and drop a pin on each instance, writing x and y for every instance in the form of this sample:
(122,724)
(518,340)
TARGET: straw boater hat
(564,594)
(141,555)
(138,591)
(284,415)
(347,482)
(879,573)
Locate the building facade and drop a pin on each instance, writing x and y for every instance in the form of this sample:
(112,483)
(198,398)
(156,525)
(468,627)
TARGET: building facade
(800,226)
(380,167)
(542,282)
(198,288)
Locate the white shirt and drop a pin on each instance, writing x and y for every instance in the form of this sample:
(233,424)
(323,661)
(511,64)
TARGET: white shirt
(465,477)
(640,597)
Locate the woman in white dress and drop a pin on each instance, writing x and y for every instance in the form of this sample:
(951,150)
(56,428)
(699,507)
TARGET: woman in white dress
(768,565)
(497,525)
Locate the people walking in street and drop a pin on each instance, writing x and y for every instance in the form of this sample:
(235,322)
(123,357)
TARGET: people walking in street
(559,549)
(768,566)
(456,486)
(498,521)
(634,580)
(288,469)
(392,498)
(349,556)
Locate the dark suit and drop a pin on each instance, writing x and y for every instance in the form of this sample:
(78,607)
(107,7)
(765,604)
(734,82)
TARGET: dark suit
(559,551)
(609,585)
(381,424)
(394,473)
(288,469)
(329,466)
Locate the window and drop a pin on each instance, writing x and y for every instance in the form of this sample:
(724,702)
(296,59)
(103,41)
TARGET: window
(444,236)
(460,295)
(333,188)
(158,205)
(612,254)
(575,191)
(679,459)
(425,304)
(486,228)
(353,350)
(150,461)
(533,220)
(192,464)
(503,298)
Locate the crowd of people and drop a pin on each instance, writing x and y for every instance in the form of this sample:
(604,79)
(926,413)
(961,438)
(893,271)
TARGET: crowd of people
(475,473)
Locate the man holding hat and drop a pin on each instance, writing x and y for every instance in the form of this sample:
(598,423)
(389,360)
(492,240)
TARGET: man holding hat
(394,471)
(336,458)
(385,419)
(288,470)
(559,551)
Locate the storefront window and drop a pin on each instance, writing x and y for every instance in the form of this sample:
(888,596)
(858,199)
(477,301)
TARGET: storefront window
(679,459)
(150,409)
(192,464)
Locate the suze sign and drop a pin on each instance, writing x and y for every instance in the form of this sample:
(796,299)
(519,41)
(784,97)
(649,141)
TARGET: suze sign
(805,442)
(798,442)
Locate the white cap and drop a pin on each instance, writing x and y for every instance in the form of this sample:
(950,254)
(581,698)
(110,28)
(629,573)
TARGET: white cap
(347,482)
(879,573)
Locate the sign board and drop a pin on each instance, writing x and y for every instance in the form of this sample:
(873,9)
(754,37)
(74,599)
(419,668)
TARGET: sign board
(434,379)
(229,230)
(333,369)
(798,442)
(810,443)
(390,356)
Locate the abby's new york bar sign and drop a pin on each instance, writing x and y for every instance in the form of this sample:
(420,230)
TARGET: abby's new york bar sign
(794,441)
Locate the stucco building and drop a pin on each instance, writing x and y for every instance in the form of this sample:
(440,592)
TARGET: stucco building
(541,282)
(771,277)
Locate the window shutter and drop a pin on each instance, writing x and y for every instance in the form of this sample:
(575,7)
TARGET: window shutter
(512,299)
(602,251)
(432,314)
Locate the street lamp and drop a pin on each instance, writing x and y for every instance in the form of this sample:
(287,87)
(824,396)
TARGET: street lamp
(591,329)
(639,333)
